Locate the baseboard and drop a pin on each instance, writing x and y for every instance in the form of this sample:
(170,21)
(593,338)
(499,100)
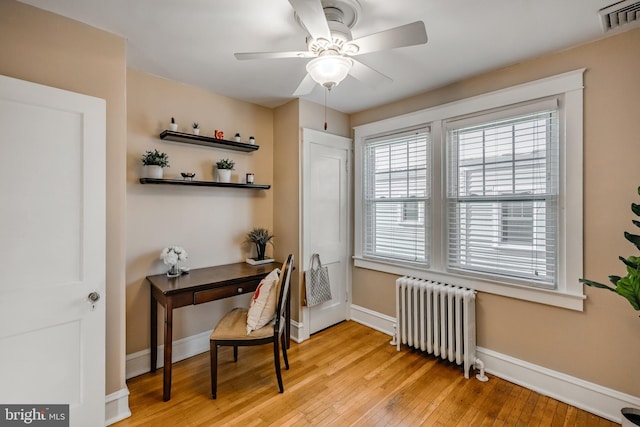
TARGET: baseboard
(297,331)
(374,320)
(139,363)
(594,398)
(117,407)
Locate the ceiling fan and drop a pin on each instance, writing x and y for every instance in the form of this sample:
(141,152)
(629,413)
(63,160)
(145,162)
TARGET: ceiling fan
(329,42)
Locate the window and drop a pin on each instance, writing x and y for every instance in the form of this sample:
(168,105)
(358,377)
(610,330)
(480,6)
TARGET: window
(396,188)
(485,192)
(502,205)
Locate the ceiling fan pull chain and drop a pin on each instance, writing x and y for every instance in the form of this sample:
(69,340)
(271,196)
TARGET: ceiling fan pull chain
(325,107)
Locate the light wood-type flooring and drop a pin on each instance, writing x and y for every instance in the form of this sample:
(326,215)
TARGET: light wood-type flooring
(347,375)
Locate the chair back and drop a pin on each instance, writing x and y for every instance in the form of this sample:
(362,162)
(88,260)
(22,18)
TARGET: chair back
(285,279)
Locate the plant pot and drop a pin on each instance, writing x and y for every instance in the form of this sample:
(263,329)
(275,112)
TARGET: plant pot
(261,249)
(224,175)
(152,171)
(196,131)
(630,417)
(173,127)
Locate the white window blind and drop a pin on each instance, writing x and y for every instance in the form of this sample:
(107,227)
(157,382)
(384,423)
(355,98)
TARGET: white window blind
(396,196)
(502,193)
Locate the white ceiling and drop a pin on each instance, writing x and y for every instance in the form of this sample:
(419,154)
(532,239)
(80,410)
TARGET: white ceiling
(193,41)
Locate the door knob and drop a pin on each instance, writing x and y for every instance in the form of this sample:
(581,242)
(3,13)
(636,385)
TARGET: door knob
(93,297)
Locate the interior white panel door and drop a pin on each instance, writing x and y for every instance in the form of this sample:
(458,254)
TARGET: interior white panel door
(326,210)
(52,251)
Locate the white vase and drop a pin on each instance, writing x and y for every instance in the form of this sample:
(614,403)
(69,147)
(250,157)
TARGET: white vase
(152,171)
(224,175)
(630,417)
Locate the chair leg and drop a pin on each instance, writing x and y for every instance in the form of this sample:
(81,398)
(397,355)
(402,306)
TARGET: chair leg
(213,354)
(276,359)
(284,353)
(235,353)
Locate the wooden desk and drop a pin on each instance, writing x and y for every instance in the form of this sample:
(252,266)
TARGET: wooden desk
(199,286)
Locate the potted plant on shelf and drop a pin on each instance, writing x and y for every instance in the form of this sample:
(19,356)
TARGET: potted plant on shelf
(237,137)
(153,162)
(173,125)
(225,166)
(627,287)
(196,128)
(259,237)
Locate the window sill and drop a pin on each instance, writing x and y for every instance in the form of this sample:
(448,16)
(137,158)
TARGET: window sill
(556,298)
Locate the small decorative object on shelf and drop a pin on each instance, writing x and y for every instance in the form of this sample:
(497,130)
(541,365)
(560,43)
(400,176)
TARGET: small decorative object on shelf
(259,237)
(225,166)
(218,134)
(236,138)
(250,178)
(188,175)
(172,256)
(252,140)
(173,125)
(196,128)
(153,162)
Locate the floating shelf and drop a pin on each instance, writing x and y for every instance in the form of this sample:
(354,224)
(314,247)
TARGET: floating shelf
(203,183)
(207,141)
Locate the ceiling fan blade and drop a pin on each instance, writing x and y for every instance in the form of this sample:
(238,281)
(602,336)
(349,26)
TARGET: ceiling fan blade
(405,35)
(272,55)
(311,15)
(305,87)
(368,75)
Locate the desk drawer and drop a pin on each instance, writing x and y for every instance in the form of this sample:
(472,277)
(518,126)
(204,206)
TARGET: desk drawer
(223,292)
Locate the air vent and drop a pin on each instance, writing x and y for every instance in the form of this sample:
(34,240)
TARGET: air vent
(624,14)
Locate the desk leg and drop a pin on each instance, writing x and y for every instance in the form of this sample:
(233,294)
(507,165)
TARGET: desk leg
(154,333)
(168,341)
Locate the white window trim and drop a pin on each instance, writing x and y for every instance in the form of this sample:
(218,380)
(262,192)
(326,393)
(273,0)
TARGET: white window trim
(569,293)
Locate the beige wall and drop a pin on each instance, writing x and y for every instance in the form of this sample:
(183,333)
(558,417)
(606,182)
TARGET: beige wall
(209,222)
(48,49)
(601,344)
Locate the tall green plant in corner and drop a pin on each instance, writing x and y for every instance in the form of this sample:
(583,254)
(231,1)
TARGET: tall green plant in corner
(628,286)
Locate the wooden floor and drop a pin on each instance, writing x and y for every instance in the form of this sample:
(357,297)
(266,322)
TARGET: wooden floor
(346,375)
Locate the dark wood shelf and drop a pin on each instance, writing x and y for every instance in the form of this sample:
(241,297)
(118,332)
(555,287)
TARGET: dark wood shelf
(207,141)
(204,183)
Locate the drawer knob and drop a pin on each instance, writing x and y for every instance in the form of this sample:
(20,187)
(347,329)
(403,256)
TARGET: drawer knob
(240,290)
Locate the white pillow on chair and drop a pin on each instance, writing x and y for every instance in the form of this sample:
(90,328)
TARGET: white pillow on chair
(263,303)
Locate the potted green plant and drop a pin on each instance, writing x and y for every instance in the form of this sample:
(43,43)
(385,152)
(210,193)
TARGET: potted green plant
(196,128)
(153,162)
(237,137)
(259,237)
(225,166)
(627,287)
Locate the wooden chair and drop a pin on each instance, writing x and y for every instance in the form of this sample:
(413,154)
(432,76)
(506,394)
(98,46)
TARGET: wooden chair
(232,331)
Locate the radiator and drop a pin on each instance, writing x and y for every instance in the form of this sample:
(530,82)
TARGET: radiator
(439,319)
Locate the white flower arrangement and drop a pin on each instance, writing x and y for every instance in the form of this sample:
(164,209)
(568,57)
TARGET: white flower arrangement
(173,254)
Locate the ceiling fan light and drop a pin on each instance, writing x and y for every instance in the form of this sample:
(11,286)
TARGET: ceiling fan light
(329,70)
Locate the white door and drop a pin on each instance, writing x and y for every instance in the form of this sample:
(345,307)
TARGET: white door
(52,250)
(326,211)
